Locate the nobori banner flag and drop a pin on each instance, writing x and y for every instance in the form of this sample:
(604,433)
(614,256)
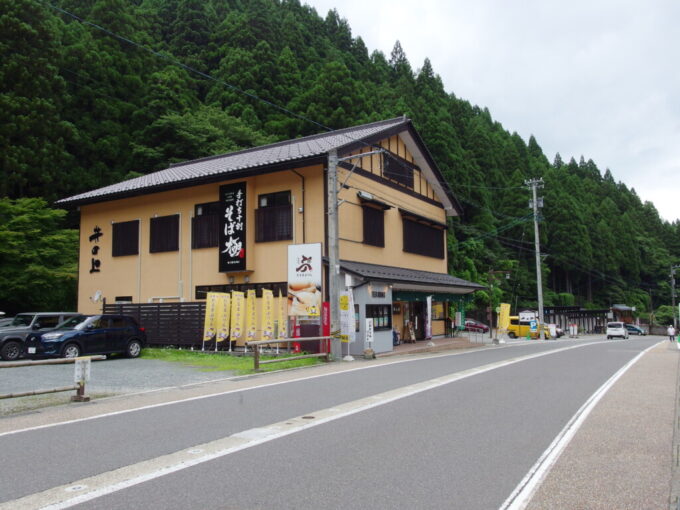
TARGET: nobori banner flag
(232,247)
(347,324)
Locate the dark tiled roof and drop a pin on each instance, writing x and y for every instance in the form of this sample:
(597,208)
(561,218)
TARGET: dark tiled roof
(401,275)
(215,167)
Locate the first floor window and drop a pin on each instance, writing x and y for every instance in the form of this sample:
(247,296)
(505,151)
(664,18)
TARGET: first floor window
(381,315)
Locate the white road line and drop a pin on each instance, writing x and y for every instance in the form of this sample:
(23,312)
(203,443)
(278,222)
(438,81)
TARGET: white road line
(87,489)
(227,392)
(521,496)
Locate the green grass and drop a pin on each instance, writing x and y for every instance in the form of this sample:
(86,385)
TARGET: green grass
(222,361)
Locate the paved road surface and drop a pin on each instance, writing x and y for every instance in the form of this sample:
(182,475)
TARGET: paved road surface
(446,431)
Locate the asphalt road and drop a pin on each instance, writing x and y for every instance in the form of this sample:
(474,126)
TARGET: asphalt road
(450,431)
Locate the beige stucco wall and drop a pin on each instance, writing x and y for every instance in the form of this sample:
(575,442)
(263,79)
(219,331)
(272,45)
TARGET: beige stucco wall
(174,275)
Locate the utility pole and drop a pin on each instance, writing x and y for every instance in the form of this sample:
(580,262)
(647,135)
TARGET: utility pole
(333,251)
(675,319)
(534,204)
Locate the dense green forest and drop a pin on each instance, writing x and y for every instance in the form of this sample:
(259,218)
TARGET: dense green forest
(96,91)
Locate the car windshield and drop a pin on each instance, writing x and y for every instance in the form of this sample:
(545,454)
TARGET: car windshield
(614,325)
(23,319)
(72,322)
(84,323)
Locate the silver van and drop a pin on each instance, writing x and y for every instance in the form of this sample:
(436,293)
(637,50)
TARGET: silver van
(616,329)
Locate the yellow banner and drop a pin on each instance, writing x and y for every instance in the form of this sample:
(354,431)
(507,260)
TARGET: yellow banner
(209,327)
(267,315)
(222,317)
(504,317)
(283,316)
(238,309)
(251,316)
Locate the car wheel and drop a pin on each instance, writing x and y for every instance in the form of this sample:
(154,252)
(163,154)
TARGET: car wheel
(70,351)
(512,334)
(134,348)
(10,351)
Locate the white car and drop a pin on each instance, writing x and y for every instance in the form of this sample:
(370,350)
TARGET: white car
(616,329)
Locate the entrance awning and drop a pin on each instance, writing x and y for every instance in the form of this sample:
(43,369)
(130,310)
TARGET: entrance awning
(411,282)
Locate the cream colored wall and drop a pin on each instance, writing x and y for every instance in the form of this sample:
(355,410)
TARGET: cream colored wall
(351,225)
(174,275)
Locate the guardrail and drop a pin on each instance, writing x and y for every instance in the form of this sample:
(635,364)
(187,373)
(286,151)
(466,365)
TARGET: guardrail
(80,379)
(256,349)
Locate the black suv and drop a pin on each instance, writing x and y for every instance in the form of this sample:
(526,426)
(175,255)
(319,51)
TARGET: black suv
(13,335)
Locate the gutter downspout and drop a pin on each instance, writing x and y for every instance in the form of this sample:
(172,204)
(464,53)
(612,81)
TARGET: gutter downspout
(302,177)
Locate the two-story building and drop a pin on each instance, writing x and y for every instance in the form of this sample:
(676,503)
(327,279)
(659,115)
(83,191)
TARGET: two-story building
(162,237)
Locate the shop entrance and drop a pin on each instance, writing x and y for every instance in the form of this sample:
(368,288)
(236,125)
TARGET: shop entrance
(414,313)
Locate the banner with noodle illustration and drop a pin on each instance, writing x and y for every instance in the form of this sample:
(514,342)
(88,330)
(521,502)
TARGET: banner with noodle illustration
(267,315)
(251,316)
(222,317)
(238,309)
(209,325)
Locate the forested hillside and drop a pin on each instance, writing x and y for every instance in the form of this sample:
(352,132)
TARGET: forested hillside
(96,91)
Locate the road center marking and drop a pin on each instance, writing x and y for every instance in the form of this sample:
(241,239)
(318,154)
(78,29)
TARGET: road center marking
(128,476)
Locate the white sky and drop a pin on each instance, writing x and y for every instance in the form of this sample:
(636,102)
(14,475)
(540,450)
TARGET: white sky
(598,78)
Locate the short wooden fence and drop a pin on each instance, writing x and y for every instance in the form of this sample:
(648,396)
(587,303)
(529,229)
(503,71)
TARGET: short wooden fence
(255,344)
(78,387)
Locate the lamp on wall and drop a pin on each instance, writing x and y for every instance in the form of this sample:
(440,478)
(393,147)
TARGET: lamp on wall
(231,279)
(246,279)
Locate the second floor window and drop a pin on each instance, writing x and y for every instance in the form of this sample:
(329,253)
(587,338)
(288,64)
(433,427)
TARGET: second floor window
(374,226)
(423,239)
(205,226)
(274,217)
(164,234)
(125,238)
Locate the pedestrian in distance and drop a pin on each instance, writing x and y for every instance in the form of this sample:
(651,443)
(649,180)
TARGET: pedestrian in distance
(671,333)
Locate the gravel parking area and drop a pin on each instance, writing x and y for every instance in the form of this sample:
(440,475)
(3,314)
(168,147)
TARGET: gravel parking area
(115,376)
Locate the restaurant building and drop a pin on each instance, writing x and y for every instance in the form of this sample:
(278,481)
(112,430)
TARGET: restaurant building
(224,223)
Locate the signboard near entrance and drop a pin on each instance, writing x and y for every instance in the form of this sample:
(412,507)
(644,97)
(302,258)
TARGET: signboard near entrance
(232,251)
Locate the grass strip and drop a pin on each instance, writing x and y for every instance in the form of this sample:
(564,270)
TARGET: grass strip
(210,361)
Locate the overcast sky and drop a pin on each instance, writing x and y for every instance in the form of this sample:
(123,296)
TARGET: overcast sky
(598,78)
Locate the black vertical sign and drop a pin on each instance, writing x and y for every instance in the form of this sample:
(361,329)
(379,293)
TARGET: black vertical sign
(232,247)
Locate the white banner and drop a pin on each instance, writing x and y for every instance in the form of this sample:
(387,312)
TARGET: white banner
(369,333)
(428,319)
(304,280)
(347,325)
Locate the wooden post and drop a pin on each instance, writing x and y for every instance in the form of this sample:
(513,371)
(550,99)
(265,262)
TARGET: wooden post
(80,394)
(256,356)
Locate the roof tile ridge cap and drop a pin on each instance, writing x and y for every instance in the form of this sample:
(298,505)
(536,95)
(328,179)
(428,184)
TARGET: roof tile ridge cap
(290,141)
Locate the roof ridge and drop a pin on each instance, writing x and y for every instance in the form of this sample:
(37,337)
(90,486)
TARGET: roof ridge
(290,141)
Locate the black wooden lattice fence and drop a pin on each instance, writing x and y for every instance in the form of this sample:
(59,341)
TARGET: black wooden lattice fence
(166,323)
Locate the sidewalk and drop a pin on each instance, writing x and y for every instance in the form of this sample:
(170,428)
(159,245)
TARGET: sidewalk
(624,456)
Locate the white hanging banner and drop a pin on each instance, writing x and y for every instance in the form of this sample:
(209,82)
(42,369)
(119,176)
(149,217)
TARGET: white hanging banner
(428,319)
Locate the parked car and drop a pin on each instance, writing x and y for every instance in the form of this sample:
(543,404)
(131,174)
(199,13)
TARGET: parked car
(616,330)
(521,328)
(635,330)
(94,334)
(12,336)
(473,325)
